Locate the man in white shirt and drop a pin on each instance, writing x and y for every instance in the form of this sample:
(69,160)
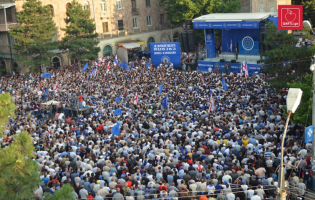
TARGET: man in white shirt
(255,197)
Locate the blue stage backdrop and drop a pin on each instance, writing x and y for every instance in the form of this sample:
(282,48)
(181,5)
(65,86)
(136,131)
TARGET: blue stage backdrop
(169,52)
(235,67)
(237,35)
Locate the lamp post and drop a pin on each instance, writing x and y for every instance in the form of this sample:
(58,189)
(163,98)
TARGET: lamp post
(293,100)
(312,68)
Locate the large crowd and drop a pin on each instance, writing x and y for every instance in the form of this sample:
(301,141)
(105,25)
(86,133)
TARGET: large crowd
(167,148)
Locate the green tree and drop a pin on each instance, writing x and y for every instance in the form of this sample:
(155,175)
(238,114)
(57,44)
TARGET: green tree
(179,11)
(64,193)
(283,51)
(303,115)
(34,34)
(80,36)
(19,173)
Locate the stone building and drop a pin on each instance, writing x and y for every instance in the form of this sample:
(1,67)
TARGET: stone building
(256,6)
(117,22)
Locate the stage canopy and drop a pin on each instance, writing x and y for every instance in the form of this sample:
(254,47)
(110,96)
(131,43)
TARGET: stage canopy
(231,20)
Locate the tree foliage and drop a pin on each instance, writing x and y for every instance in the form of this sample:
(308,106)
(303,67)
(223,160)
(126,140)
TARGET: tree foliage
(284,59)
(34,34)
(179,11)
(64,193)
(303,115)
(19,174)
(80,33)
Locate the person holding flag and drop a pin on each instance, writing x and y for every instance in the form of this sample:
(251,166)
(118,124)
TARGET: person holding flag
(135,100)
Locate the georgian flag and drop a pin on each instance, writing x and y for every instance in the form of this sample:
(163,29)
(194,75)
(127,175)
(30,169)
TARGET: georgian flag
(96,64)
(211,107)
(242,70)
(245,68)
(55,87)
(107,68)
(203,81)
(39,93)
(135,100)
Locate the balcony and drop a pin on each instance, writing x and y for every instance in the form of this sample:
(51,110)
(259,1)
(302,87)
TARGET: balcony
(135,11)
(136,30)
(150,28)
(9,25)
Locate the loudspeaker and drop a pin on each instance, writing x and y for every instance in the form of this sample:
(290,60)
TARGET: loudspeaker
(233,61)
(190,41)
(222,60)
(258,61)
(184,42)
(261,42)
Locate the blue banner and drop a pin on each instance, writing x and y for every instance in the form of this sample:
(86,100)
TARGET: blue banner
(166,52)
(235,67)
(226,25)
(308,134)
(210,43)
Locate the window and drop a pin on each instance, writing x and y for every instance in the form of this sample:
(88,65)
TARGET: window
(86,6)
(149,22)
(51,8)
(176,37)
(272,9)
(118,3)
(147,2)
(103,6)
(161,18)
(120,25)
(11,40)
(105,27)
(8,14)
(1,39)
(135,22)
(133,4)
(107,51)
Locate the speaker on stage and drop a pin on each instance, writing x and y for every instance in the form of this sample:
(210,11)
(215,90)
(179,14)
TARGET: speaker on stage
(261,42)
(190,41)
(184,43)
(233,61)
(222,60)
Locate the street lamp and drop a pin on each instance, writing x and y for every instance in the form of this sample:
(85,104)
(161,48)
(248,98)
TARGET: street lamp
(312,68)
(293,100)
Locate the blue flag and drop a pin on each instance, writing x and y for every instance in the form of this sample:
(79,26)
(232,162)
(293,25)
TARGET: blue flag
(148,64)
(126,67)
(86,66)
(117,112)
(118,99)
(116,130)
(46,75)
(133,64)
(309,134)
(225,87)
(161,88)
(164,104)
(93,72)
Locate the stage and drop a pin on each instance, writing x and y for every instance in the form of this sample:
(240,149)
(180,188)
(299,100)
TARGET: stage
(228,57)
(242,34)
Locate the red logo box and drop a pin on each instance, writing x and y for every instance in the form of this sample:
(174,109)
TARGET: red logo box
(290,17)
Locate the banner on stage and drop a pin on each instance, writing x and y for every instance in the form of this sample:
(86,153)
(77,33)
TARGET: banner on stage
(226,25)
(165,52)
(234,67)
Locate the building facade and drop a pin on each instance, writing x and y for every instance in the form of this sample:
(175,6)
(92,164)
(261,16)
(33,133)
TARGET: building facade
(117,22)
(256,6)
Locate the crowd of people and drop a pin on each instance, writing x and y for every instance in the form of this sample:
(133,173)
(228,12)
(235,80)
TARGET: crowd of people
(185,146)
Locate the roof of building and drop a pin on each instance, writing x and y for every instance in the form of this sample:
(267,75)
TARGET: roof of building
(6,4)
(232,17)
